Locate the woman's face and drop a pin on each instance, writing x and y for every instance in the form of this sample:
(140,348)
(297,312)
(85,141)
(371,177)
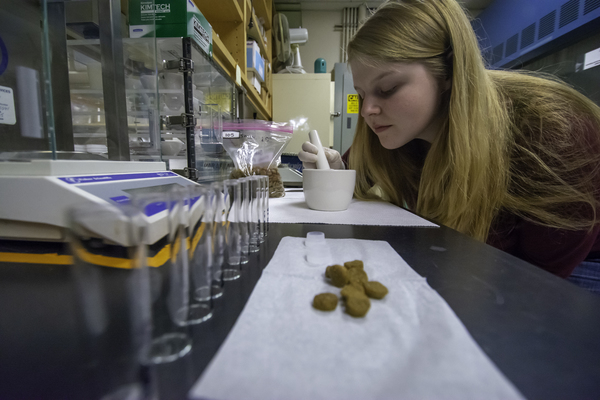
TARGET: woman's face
(400,101)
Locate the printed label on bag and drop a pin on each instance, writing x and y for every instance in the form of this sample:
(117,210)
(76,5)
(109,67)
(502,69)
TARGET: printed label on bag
(7,106)
(231,135)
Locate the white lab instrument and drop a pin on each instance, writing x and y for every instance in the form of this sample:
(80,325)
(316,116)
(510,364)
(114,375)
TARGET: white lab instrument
(35,195)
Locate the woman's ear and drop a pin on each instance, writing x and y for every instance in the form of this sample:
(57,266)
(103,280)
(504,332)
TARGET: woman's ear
(447,84)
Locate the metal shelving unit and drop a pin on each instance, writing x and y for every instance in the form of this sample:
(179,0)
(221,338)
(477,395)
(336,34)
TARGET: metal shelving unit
(182,96)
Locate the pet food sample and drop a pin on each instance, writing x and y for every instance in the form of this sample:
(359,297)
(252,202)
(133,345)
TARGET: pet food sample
(325,302)
(356,289)
(375,290)
(275,181)
(357,275)
(351,290)
(255,148)
(358,306)
(354,264)
(338,275)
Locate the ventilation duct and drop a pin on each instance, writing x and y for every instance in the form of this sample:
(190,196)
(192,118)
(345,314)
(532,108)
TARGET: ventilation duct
(512,32)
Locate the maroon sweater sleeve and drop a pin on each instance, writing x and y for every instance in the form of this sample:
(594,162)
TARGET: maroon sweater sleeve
(555,250)
(558,251)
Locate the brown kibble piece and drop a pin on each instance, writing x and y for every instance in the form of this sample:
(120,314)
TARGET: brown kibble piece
(327,274)
(354,264)
(325,302)
(357,306)
(352,290)
(276,188)
(357,275)
(356,289)
(375,290)
(338,275)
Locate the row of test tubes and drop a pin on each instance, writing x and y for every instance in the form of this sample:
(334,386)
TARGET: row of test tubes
(172,252)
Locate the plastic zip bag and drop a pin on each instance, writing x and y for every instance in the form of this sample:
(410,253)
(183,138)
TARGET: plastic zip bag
(255,147)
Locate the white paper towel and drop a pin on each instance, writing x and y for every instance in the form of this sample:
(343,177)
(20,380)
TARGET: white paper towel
(293,209)
(409,346)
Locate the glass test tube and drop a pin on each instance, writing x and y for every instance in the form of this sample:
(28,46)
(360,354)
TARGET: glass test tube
(253,214)
(232,202)
(244,218)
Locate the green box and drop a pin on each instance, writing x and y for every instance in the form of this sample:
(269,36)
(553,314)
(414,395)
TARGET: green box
(169,18)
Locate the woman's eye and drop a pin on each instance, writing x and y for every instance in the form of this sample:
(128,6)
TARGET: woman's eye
(388,92)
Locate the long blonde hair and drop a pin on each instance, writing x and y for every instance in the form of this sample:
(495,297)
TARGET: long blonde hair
(497,122)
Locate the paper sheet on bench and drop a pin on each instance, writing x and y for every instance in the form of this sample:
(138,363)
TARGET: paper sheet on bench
(293,209)
(410,345)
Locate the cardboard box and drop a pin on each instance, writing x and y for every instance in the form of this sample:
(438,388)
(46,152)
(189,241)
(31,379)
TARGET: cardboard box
(254,62)
(172,18)
(254,81)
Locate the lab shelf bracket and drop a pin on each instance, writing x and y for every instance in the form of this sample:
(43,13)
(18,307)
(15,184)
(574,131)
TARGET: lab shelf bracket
(182,65)
(184,120)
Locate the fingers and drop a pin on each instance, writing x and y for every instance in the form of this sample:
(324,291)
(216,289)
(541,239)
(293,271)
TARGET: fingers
(307,157)
(334,159)
(309,160)
(332,155)
(309,147)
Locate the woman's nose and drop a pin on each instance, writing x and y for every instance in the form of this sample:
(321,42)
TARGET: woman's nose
(369,107)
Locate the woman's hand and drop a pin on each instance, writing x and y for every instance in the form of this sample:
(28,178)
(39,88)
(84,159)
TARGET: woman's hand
(308,156)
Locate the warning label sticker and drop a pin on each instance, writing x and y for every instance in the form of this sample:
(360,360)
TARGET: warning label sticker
(352,104)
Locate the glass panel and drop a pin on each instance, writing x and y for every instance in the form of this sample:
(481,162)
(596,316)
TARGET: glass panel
(117,119)
(141,87)
(213,102)
(77,86)
(87,96)
(100,91)
(171,103)
(215,92)
(23,122)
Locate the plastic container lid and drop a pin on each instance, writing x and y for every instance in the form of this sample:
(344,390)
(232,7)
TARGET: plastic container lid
(316,248)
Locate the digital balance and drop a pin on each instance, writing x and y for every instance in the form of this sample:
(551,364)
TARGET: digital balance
(36,194)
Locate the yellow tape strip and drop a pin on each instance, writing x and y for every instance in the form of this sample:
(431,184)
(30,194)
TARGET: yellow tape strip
(104,261)
(50,258)
(196,238)
(160,258)
(54,259)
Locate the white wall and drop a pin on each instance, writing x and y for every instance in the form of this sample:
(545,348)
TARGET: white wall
(307,96)
(323,40)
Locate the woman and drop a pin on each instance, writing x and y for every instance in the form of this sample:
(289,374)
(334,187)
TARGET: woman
(503,156)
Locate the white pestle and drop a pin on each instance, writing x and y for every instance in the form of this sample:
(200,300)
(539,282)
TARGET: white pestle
(322,162)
